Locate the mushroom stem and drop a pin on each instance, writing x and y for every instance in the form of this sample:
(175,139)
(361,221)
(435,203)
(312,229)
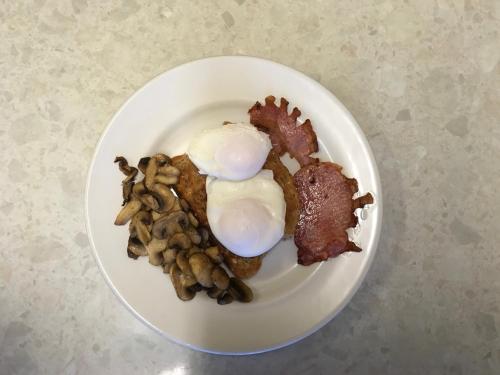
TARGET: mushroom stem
(130,209)
(135,248)
(183,293)
(155,251)
(149,176)
(166,198)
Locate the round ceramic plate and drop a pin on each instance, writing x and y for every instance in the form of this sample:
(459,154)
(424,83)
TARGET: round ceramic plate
(291,301)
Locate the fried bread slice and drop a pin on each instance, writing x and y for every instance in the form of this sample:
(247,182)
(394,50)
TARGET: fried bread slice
(191,187)
(284,179)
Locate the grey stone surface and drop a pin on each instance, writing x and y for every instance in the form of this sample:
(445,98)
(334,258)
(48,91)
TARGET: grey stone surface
(421,77)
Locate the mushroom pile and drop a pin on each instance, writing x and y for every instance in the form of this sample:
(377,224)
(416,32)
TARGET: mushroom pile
(163,228)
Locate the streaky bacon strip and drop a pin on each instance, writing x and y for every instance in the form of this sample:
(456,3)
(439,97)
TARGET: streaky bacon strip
(327,210)
(285,134)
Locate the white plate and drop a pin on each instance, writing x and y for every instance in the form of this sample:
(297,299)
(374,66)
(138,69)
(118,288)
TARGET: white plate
(291,301)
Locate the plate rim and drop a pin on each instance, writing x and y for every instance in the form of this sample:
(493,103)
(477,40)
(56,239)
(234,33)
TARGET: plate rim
(378,220)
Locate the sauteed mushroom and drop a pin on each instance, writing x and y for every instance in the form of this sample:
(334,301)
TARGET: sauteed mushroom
(126,169)
(170,224)
(163,227)
(166,199)
(130,209)
(155,251)
(150,173)
(143,164)
(135,248)
(239,290)
(183,293)
(179,241)
(142,225)
(201,266)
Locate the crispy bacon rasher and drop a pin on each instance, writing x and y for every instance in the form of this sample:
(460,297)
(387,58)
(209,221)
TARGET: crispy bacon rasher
(299,140)
(325,194)
(327,210)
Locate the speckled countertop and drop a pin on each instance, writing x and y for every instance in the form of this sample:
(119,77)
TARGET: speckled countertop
(421,77)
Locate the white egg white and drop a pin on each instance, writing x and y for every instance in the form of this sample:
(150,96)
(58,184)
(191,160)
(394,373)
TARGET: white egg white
(247,217)
(231,152)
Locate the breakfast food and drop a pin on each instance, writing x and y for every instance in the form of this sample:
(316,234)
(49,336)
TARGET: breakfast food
(164,228)
(128,182)
(327,211)
(219,208)
(282,176)
(325,194)
(191,188)
(231,152)
(248,216)
(245,205)
(243,268)
(286,135)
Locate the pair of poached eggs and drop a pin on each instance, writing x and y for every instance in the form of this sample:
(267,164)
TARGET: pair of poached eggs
(245,206)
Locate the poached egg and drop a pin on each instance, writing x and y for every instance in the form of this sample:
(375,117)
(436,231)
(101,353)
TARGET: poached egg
(232,152)
(248,216)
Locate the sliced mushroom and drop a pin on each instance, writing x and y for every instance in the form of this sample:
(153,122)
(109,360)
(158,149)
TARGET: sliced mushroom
(135,248)
(155,251)
(239,290)
(176,206)
(184,205)
(142,225)
(225,299)
(162,159)
(167,175)
(150,173)
(150,201)
(126,169)
(214,254)
(220,278)
(193,250)
(145,217)
(183,263)
(182,292)
(139,189)
(166,180)
(173,223)
(205,236)
(166,267)
(169,170)
(157,215)
(187,280)
(128,211)
(155,259)
(201,266)
(131,230)
(193,235)
(165,197)
(143,164)
(143,234)
(193,220)
(131,254)
(127,191)
(214,292)
(179,241)
(157,246)
(169,255)
(196,288)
